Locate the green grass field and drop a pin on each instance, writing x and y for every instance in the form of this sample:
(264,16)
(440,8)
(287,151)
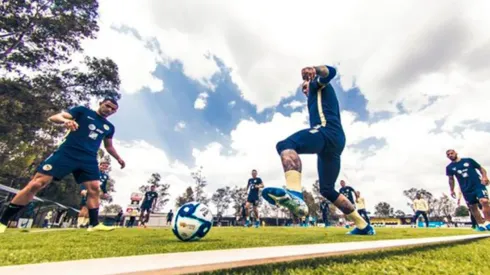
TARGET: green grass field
(23,248)
(470,257)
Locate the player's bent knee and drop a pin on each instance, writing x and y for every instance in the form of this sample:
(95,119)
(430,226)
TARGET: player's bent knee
(330,194)
(285,145)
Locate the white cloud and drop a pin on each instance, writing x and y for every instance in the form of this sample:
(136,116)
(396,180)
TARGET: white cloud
(201,101)
(295,104)
(180,126)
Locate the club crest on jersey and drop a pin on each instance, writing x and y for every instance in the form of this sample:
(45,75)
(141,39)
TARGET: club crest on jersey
(466,164)
(91,127)
(106,127)
(47,167)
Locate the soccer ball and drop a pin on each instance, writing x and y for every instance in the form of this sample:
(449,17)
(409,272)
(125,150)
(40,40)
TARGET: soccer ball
(192,221)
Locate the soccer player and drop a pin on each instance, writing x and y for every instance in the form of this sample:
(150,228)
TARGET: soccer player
(82,220)
(472,186)
(361,207)
(253,186)
(170,216)
(421,207)
(347,191)
(326,139)
(77,155)
(324,208)
(148,205)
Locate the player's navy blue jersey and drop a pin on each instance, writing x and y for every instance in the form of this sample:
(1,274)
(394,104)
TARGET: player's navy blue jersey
(465,171)
(103,181)
(347,192)
(92,129)
(252,186)
(150,196)
(323,106)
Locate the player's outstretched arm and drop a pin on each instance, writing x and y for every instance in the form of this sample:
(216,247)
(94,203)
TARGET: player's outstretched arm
(64,118)
(112,151)
(325,74)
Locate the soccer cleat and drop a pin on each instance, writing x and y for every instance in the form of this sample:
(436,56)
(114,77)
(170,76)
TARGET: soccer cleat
(292,200)
(257,224)
(100,227)
(3,227)
(247,223)
(480,228)
(369,230)
(487,227)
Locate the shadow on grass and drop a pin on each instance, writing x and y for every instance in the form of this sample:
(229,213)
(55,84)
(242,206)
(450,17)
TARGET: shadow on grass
(311,264)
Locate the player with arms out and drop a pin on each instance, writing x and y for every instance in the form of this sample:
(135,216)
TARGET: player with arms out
(77,155)
(326,139)
(253,186)
(473,187)
(148,205)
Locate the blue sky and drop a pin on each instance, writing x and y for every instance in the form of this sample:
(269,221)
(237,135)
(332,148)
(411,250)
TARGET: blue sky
(154,116)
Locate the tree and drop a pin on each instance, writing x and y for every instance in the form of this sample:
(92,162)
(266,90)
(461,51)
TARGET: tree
(412,193)
(383,209)
(161,189)
(44,32)
(462,211)
(313,206)
(238,196)
(399,213)
(443,207)
(200,183)
(112,208)
(316,191)
(222,199)
(188,196)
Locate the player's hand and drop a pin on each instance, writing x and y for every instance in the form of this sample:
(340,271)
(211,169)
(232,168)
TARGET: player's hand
(71,125)
(121,162)
(453,194)
(484,181)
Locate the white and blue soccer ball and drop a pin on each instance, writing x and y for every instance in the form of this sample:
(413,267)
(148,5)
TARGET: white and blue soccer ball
(192,221)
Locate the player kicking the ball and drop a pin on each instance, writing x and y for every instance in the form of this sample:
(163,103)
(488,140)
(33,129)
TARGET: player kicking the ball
(77,155)
(473,187)
(326,139)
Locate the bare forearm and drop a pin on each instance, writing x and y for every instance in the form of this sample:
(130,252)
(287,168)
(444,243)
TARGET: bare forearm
(451,184)
(58,118)
(483,172)
(112,151)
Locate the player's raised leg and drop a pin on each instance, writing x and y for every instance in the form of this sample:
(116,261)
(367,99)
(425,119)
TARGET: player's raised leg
(23,197)
(308,141)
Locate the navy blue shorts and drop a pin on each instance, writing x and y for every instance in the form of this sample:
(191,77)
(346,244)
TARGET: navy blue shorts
(145,207)
(253,199)
(61,163)
(479,192)
(327,143)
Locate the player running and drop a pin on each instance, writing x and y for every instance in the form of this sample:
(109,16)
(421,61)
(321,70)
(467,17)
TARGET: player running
(326,139)
(472,186)
(77,155)
(104,177)
(148,205)
(253,186)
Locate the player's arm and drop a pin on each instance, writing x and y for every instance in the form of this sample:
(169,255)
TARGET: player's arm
(67,118)
(325,74)
(154,203)
(261,184)
(483,171)
(112,151)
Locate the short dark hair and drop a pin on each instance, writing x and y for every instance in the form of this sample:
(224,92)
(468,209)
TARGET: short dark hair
(254,170)
(110,99)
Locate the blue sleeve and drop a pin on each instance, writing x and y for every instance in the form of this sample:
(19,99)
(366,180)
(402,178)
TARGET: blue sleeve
(260,180)
(332,72)
(475,164)
(111,133)
(76,112)
(448,171)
